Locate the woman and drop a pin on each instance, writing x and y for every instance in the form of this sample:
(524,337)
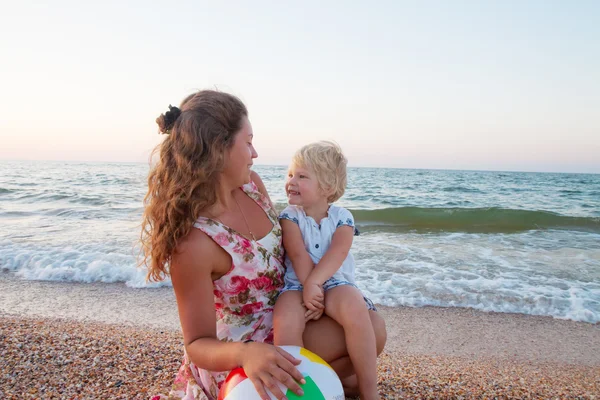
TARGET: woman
(210,225)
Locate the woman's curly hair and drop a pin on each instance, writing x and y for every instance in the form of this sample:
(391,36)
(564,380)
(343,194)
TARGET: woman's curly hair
(184,181)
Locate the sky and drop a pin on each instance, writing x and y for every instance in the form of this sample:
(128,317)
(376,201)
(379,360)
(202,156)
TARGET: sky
(486,85)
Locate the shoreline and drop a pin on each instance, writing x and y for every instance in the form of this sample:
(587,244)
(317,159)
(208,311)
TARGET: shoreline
(451,331)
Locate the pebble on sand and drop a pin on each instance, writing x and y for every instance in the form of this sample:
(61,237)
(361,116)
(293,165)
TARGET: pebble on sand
(60,359)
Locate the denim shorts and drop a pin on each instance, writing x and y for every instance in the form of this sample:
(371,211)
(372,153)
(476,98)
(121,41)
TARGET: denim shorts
(330,284)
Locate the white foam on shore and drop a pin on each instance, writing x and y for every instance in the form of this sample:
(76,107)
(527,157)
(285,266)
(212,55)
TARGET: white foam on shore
(485,272)
(85,263)
(538,272)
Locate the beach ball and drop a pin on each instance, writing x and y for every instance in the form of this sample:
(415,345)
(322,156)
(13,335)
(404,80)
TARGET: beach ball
(322,383)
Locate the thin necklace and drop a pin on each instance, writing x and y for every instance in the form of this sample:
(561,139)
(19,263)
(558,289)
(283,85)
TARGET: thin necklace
(245,220)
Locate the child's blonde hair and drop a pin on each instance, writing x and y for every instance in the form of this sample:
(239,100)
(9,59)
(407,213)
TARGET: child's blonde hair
(328,163)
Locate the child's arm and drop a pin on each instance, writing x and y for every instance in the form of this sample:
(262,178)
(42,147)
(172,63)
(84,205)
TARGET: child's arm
(334,257)
(295,250)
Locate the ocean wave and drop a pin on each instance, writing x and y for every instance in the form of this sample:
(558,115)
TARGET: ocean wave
(567,191)
(481,220)
(74,198)
(467,219)
(16,213)
(461,189)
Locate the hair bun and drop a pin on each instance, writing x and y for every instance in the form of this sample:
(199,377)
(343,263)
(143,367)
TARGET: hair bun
(167,120)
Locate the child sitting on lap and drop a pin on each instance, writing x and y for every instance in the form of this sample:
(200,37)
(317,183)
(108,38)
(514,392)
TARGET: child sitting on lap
(317,237)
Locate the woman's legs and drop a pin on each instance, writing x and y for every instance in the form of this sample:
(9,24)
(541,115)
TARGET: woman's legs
(325,337)
(288,319)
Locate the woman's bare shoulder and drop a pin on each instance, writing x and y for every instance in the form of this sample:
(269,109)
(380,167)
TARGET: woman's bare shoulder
(194,250)
(259,184)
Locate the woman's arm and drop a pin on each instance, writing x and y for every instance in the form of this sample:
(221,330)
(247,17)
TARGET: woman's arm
(191,270)
(192,283)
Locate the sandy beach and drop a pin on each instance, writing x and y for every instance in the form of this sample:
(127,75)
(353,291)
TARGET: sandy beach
(68,340)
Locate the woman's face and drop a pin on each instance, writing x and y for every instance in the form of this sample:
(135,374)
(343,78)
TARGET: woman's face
(239,159)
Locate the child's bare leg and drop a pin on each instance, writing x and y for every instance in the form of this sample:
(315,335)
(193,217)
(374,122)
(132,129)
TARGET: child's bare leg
(346,305)
(288,319)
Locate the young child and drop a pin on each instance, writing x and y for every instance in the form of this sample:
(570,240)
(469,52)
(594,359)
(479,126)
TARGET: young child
(317,237)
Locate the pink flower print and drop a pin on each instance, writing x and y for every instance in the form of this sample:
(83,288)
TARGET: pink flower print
(244,246)
(218,294)
(222,239)
(237,284)
(251,308)
(269,339)
(261,283)
(184,374)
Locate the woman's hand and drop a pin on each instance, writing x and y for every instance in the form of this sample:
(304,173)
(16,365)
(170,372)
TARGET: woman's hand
(266,365)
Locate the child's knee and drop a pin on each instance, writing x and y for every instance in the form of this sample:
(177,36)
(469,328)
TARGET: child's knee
(289,318)
(289,312)
(354,317)
(349,306)
(288,327)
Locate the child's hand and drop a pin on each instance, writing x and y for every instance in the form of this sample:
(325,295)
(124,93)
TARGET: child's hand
(313,315)
(313,296)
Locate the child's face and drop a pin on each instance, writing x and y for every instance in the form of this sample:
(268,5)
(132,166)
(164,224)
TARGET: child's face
(302,187)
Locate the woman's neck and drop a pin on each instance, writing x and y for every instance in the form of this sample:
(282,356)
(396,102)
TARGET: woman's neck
(317,211)
(225,201)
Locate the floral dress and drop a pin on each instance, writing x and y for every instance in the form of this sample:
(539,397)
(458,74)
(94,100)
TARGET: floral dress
(244,297)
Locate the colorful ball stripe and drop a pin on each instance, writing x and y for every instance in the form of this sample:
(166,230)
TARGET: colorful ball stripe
(322,383)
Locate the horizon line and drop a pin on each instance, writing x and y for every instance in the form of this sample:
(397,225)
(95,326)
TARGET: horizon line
(283,165)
